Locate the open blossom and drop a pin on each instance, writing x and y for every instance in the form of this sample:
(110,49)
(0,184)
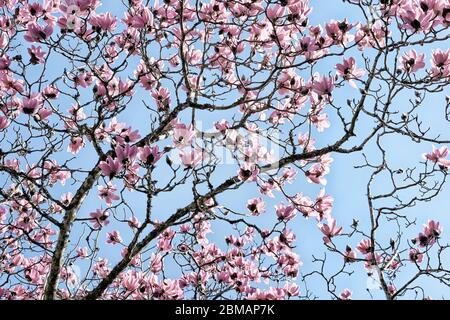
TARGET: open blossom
(440,63)
(411,62)
(248,172)
(37,33)
(430,233)
(183,135)
(99,218)
(285,212)
(330,230)
(75,145)
(256,206)
(323,86)
(438,156)
(32,104)
(126,154)
(110,167)
(107,193)
(416,20)
(104,22)
(191,158)
(113,237)
(36,54)
(415,256)
(162,98)
(365,246)
(150,155)
(348,70)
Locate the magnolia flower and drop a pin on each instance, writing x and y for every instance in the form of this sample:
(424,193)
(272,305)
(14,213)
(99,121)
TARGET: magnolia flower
(150,155)
(438,156)
(30,105)
(330,230)
(110,167)
(36,55)
(75,145)
(256,206)
(345,295)
(248,172)
(285,212)
(191,158)
(99,218)
(107,193)
(113,237)
(411,62)
(36,33)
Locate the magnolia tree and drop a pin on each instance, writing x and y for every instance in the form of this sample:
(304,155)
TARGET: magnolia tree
(171,149)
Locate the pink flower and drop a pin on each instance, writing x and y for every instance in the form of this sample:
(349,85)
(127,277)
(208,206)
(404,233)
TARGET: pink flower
(348,69)
(365,246)
(416,20)
(5,62)
(103,21)
(285,213)
(316,174)
(430,233)
(82,252)
(113,237)
(411,62)
(36,55)
(323,86)
(440,63)
(51,92)
(349,255)
(4,123)
(36,33)
(99,218)
(31,104)
(75,145)
(126,154)
(438,156)
(415,256)
(150,155)
(256,206)
(107,193)
(183,135)
(345,295)
(162,98)
(338,31)
(248,172)
(191,158)
(130,281)
(330,230)
(110,167)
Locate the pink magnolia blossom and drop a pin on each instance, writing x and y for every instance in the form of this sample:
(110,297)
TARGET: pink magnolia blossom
(330,230)
(110,167)
(410,62)
(113,237)
(107,193)
(256,206)
(438,156)
(36,54)
(99,218)
(37,33)
(248,172)
(75,145)
(191,158)
(150,155)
